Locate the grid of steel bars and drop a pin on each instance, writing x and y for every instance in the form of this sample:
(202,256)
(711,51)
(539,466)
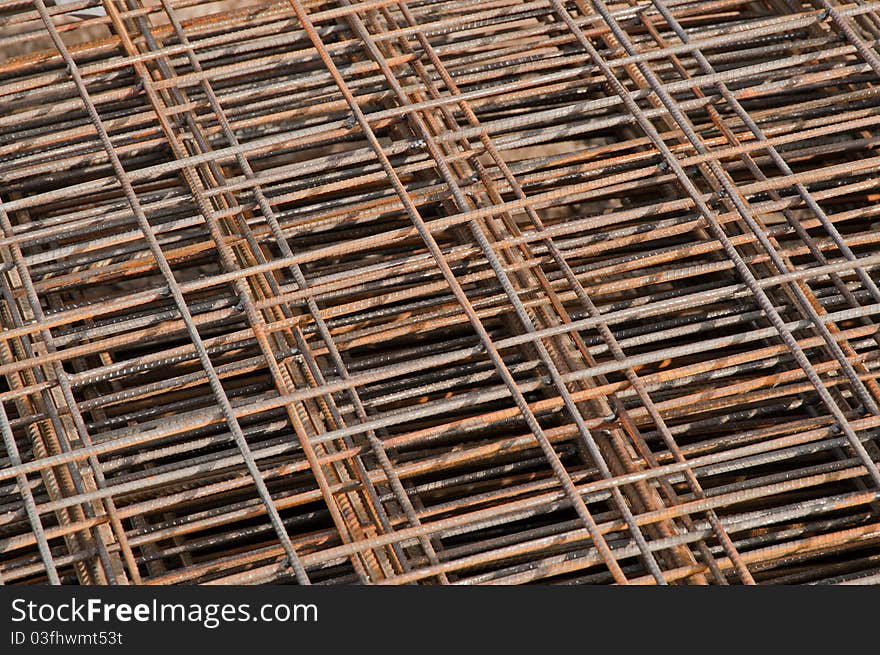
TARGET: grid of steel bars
(441,292)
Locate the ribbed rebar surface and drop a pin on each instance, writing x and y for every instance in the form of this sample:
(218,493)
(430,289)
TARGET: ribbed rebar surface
(440,291)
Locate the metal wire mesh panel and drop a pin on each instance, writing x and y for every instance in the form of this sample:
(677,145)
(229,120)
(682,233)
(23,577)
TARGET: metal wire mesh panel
(439,291)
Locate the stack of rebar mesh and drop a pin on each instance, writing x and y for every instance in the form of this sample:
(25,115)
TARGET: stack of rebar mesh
(456,292)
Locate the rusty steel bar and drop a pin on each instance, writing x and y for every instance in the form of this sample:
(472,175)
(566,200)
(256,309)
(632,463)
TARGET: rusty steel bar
(440,292)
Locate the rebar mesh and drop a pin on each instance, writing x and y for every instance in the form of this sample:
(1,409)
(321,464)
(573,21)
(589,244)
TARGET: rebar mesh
(439,291)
